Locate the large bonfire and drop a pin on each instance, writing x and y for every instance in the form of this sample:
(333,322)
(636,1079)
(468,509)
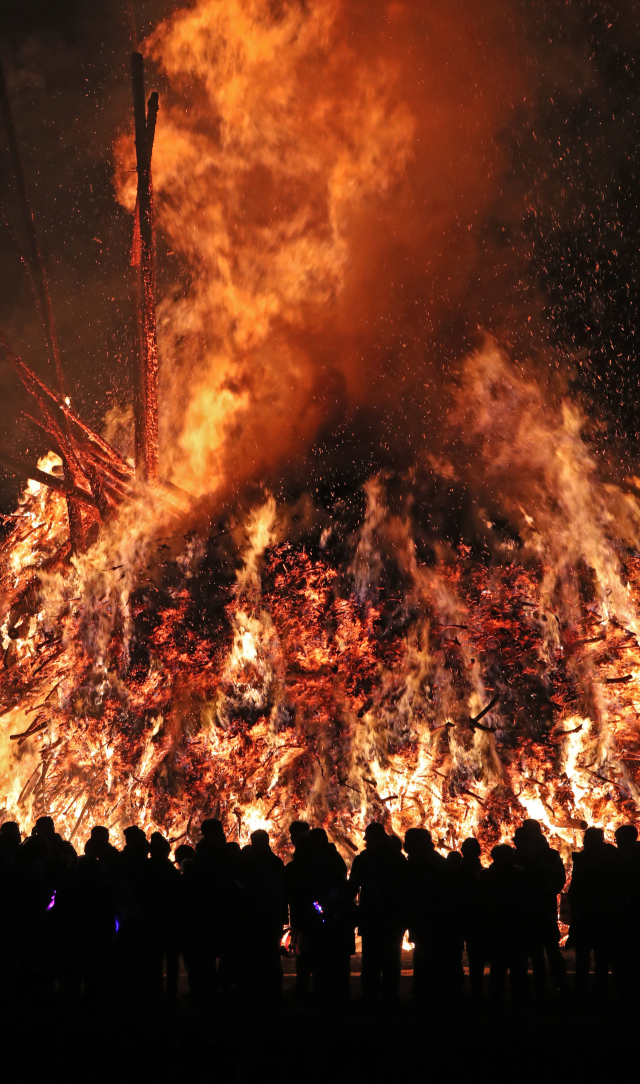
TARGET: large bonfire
(452,644)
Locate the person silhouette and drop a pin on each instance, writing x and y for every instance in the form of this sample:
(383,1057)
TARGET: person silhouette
(298,834)
(265,914)
(544,879)
(61,854)
(591,899)
(326,916)
(379,878)
(25,894)
(433,896)
(471,914)
(503,896)
(625,931)
(212,832)
(209,919)
(84,917)
(163,891)
(132,951)
(36,981)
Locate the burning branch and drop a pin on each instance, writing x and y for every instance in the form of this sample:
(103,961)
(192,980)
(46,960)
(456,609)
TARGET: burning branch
(36,475)
(38,724)
(604,779)
(475,722)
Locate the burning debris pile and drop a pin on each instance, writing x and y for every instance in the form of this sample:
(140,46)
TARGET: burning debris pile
(455,644)
(337,663)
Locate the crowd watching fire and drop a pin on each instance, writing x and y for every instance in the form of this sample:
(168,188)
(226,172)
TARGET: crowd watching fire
(120,920)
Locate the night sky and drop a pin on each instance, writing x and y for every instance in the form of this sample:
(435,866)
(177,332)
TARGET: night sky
(567,226)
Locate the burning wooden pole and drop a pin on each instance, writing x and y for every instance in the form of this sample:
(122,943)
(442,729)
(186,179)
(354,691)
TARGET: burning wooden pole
(146,382)
(39,279)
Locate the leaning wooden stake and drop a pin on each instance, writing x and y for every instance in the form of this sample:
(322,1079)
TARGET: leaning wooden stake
(146,390)
(76,526)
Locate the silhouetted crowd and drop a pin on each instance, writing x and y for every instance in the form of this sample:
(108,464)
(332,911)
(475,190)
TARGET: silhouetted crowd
(113,923)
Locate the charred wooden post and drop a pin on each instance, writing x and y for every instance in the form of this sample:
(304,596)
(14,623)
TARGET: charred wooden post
(146,392)
(137,367)
(39,278)
(76,521)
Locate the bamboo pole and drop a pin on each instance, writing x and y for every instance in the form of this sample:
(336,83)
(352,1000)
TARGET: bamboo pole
(36,261)
(76,525)
(146,389)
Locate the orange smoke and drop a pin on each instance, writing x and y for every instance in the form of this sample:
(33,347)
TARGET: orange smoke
(323,170)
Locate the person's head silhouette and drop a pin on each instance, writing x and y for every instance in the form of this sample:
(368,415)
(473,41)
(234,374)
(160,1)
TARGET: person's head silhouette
(213,831)
(45,828)
(593,838)
(374,836)
(183,853)
(100,833)
(10,833)
(135,841)
(418,841)
(297,831)
(626,837)
(92,848)
(470,848)
(503,855)
(159,847)
(316,840)
(531,829)
(260,841)
(520,839)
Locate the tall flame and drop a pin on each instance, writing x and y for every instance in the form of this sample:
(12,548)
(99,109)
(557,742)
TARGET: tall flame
(322,170)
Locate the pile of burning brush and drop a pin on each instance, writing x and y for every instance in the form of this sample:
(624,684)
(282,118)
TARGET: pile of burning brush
(328,665)
(455,646)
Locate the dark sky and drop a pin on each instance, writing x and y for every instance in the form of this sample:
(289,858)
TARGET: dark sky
(579,156)
(570,217)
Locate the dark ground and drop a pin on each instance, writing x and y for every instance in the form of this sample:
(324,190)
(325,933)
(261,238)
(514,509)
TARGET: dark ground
(298,1043)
